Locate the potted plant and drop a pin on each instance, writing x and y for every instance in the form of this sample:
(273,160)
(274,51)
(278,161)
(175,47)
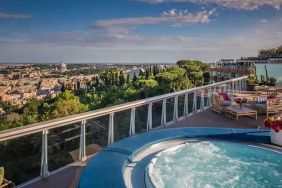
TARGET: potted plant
(252,79)
(240,101)
(275,125)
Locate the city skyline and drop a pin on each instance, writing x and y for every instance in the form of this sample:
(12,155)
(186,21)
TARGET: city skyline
(136,31)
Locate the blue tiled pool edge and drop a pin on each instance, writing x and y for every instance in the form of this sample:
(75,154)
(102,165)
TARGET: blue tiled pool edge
(106,169)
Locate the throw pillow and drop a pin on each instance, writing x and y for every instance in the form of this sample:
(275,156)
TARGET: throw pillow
(224,95)
(271,97)
(261,99)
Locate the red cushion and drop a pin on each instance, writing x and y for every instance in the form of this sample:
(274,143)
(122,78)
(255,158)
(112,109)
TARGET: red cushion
(224,95)
(271,97)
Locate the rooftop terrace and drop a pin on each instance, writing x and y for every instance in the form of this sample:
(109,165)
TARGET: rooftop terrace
(58,150)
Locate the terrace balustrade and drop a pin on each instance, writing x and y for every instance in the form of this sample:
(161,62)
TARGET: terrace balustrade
(105,126)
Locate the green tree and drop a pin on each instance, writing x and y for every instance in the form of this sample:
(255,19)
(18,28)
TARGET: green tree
(31,111)
(147,86)
(173,79)
(194,70)
(134,78)
(128,79)
(66,104)
(147,73)
(8,107)
(141,73)
(121,78)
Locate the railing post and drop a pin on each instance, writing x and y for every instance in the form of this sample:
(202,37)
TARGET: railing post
(132,122)
(210,97)
(245,83)
(175,109)
(195,102)
(240,85)
(233,87)
(186,107)
(220,88)
(149,117)
(214,89)
(82,147)
(163,121)
(229,88)
(111,129)
(44,173)
(224,88)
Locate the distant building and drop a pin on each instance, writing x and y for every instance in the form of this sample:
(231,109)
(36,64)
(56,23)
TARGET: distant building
(229,68)
(134,71)
(62,67)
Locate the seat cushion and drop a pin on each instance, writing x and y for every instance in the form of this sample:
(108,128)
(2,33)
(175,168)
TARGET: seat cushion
(228,103)
(258,105)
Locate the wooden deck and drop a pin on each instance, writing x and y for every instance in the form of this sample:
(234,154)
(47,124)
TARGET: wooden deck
(69,176)
(208,118)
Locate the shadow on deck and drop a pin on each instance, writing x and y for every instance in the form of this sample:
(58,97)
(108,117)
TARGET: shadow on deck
(69,176)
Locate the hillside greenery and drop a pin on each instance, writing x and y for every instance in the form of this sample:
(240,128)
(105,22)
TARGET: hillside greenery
(112,87)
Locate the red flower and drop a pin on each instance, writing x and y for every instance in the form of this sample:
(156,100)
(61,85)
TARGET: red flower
(273,123)
(267,123)
(276,126)
(239,100)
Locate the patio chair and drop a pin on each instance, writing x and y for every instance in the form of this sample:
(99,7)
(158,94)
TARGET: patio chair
(268,106)
(220,101)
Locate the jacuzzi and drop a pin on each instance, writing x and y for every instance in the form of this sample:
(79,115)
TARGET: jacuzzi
(187,157)
(214,163)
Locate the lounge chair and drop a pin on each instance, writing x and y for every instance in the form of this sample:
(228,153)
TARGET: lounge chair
(220,103)
(267,106)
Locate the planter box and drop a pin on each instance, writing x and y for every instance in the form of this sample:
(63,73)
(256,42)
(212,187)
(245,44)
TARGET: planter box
(276,138)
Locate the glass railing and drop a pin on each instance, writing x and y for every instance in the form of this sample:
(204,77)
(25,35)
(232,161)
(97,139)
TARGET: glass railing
(36,151)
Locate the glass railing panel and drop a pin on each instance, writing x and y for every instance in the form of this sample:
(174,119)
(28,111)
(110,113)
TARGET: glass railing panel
(190,102)
(156,114)
(198,100)
(121,124)
(141,114)
(169,109)
(181,100)
(63,145)
(97,130)
(21,157)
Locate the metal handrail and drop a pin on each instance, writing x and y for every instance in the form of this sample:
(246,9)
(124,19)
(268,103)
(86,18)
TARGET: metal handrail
(51,124)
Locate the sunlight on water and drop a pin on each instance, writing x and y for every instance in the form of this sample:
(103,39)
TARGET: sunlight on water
(216,164)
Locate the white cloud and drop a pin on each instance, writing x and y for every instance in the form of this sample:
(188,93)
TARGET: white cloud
(263,21)
(129,47)
(172,17)
(4,15)
(236,4)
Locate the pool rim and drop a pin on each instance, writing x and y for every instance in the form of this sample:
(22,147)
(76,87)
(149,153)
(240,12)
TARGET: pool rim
(98,171)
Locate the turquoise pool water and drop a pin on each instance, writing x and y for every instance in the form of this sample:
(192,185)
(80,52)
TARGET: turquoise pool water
(216,164)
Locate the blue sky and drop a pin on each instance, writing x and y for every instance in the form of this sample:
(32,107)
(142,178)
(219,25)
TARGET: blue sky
(138,31)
